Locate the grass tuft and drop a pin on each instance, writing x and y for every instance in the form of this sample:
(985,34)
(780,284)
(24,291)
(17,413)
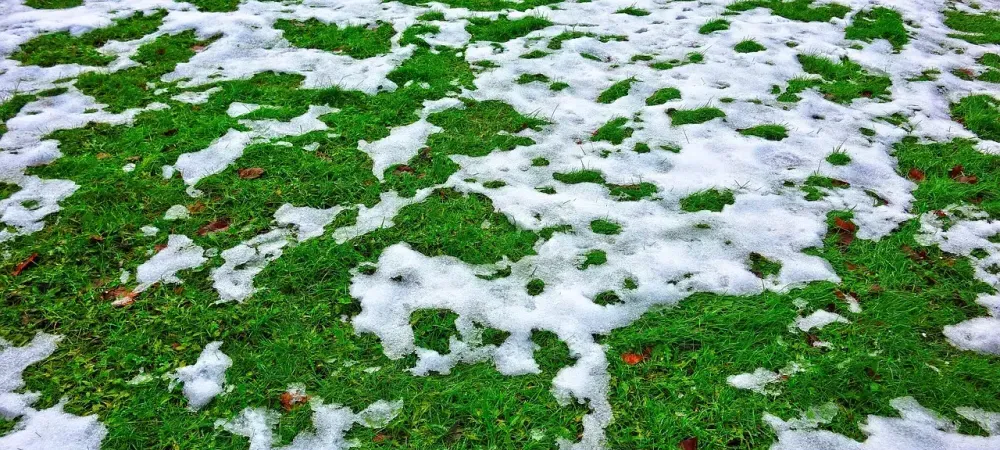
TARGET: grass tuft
(878,23)
(713,26)
(693,116)
(616,91)
(358,41)
(749,46)
(771,132)
(709,200)
(663,95)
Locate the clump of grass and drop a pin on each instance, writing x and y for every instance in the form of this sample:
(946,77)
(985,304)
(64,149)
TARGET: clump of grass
(431,15)
(558,86)
(503,29)
(663,95)
(432,328)
(878,23)
(601,226)
(593,258)
(526,78)
(535,54)
(539,162)
(980,114)
(838,158)
(975,28)
(614,131)
(771,132)
(215,5)
(763,267)
(713,26)
(709,200)
(694,116)
(53,4)
(358,41)
(800,10)
(631,192)
(748,46)
(412,35)
(607,298)
(839,82)
(616,91)
(494,184)
(992,73)
(535,287)
(641,147)
(53,49)
(579,176)
(926,75)
(633,11)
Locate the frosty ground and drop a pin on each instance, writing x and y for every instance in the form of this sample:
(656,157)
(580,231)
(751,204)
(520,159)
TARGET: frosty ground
(499,224)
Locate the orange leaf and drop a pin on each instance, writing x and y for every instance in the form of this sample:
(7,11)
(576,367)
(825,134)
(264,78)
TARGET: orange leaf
(24,264)
(916,175)
(291,399)
(845,225)
(250,173)
(633,358)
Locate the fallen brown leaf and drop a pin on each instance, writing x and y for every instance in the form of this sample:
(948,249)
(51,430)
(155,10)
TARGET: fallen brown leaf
(251,173)
(916,175)
(214,226)
(24,264)
(690,443)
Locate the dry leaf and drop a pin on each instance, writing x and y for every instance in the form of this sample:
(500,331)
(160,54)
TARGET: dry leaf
(24,264)
(214,226)
(690,443)
(251,173)
(916,175)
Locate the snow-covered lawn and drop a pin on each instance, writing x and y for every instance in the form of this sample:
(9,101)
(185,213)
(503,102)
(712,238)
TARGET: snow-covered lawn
(318,224)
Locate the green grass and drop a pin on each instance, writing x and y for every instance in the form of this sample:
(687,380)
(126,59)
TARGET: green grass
(974,28)
(709,200)
(503,29)
(748,46)
(593,258)
(878,23)
(535,287)
(431,15)
(838,158)
(694,116)
(800,10)
(53,49)
(841,82)
(535,54)
(601,226)
(579,176)
(358,41)
(215,5)
(616,91)
(763,267)
(980,114)
(53,4)
(641,147)
(771,132)
(557,41)
(526,78)
(631,192)
(11,106)
(714,25)
(412,34)
(614,131)
(558,86)
(633,11)
(663,95)
(992,62)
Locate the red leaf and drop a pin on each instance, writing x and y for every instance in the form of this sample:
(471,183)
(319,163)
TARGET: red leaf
(839,183)
(214,226)
(159,247)
(690,443)
(917,175)
(24,264)
(379,438)
(403,168)
(845,225)
(956,171)
(125,299)
(633,358)
(250,173)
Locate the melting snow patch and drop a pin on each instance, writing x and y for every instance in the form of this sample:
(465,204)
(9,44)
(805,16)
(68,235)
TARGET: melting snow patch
(180,253)
(331,422)
(47,429)
(818,319)
(176,212)
(204,380)
(761,379)
(917,428)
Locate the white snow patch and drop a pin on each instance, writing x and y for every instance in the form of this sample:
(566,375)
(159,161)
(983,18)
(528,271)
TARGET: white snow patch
(205,379)
(180,253)
(818,319)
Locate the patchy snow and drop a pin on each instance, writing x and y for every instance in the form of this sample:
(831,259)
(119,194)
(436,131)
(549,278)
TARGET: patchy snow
(818,319)
(331,422)
(181,253)
(969,229)
(205,379)
(761,379)
(665,250)
(47,429)
(916,428)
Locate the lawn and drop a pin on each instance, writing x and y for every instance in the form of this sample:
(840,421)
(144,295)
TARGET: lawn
(589,224)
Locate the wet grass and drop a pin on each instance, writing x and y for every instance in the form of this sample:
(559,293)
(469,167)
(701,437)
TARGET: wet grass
(358,41)
(878,23)
(53,49)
